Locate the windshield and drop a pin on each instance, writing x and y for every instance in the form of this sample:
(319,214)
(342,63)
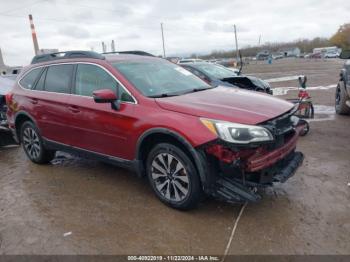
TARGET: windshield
(157,78)
(215,71)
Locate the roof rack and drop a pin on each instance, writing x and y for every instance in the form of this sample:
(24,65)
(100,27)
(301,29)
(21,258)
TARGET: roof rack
(142,53)
(65,55)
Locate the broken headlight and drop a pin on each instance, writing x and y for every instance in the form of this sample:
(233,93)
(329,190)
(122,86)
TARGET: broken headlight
(294,120)
(237,133)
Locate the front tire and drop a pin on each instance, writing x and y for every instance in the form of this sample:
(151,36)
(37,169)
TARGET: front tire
(306,128)
(341,97)
(173,177)
(33,146)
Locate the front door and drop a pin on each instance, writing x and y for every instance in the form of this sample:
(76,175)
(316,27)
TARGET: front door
(97,127)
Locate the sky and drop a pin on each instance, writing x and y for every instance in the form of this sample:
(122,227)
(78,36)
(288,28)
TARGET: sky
(190,26)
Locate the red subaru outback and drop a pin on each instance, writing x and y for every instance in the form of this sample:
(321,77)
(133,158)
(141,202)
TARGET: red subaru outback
(158,119)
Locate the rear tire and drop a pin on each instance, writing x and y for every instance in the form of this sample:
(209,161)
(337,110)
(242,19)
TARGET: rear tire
(341,96)
(33,145)
(173,177)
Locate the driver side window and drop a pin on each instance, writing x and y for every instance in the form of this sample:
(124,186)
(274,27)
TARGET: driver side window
(90,78)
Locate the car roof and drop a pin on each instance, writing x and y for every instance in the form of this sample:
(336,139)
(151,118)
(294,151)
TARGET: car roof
(129,57)
(111,58)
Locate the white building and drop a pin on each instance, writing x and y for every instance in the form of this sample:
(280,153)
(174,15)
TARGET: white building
(8,70)
(327,49)
(290,52)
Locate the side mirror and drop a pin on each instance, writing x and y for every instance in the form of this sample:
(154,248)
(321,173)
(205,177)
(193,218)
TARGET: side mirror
(104,96)
(345,54)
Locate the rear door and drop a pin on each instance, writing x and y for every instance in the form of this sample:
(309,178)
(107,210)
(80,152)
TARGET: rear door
(52,102)
(98,127)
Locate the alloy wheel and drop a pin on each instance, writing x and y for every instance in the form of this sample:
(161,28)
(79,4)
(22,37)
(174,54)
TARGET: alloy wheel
(31,142)
(170,177)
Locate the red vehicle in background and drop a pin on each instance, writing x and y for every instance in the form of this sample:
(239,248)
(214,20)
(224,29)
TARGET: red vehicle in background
(305,106)
(6,84)
(156,118)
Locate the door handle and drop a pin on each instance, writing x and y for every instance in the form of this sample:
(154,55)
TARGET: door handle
(34,101)
(74,109)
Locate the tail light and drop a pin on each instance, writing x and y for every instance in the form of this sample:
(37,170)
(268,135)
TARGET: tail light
(9,98)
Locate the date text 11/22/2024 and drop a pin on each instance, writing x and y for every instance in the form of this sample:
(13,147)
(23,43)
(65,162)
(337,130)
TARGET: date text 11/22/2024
(173,258)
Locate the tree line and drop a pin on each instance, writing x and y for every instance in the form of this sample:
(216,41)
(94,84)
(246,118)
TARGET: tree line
(340,39)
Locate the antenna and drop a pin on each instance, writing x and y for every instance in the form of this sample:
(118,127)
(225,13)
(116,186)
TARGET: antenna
(104,48)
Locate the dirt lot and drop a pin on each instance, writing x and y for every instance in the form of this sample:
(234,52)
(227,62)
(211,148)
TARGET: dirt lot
(77,206)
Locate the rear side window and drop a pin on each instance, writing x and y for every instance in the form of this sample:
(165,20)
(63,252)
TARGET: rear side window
(28,81)
(58,78)
(41,82)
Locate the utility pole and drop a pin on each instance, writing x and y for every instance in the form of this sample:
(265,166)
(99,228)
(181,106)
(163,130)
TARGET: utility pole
(161,27)
(259,40)
(113,46)
(237,56)
(104,49)
(35,40)
(1,59)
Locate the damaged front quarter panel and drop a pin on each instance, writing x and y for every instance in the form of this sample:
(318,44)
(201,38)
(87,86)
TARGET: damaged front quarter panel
(236,171)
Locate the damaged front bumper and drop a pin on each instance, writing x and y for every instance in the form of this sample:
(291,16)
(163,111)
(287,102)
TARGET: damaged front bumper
(235,190)
(235,176)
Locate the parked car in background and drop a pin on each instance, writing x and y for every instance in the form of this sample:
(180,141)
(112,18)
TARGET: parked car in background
(277,56)
(227,62)
(331,55)
(342,93)
(189,60)
(6,84)
(216,75)
(158,119)
(315,55)
(233,69)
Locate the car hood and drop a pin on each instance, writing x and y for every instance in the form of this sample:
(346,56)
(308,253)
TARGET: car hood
(227,104)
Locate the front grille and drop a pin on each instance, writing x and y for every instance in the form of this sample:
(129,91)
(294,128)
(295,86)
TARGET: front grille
(281,128)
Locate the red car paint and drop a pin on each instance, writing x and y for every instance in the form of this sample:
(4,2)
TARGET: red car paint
(262,159)
(228,104)
(75,120)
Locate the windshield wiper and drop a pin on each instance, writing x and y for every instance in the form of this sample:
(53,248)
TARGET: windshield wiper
(182,93)
(163,95)
(203,88)
(198,89)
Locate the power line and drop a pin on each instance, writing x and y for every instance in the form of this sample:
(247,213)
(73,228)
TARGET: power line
(103,23)
(21,7)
